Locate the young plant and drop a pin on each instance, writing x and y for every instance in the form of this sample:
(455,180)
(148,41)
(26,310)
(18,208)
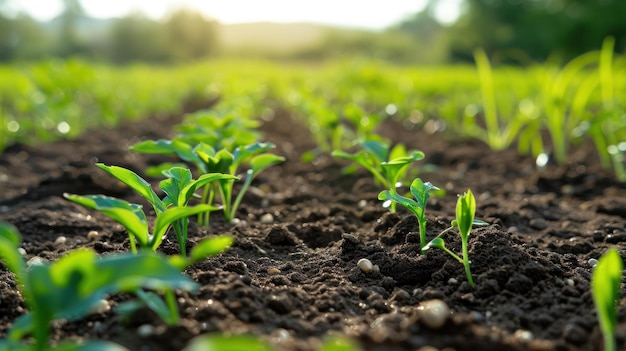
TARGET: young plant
(225,162)
(171,210)
(71,287)
(387,165)
(421,193)
(605,284)
(465,210)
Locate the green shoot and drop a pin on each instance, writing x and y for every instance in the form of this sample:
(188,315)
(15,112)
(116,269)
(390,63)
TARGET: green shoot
(388,166)
(421,193)
(172,210)
(465,211)
(223,161)
(70,287)
(605,284)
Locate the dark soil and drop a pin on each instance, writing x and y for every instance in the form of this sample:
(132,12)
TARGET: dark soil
(295,281)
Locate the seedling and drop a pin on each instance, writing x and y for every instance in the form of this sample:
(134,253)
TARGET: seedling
(387,165)
(171,210)
(465,210)
(71,287)
(225,162)
(421,192)
(605,284)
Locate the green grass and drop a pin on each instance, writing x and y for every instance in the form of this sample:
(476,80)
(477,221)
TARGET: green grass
(504,106)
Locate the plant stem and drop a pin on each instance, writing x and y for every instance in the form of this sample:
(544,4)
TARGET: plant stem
(466,263)
(242,191)
(170,300)
(133,247)
(422,225)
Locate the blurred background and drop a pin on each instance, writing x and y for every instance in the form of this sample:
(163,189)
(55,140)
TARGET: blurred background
(401,32)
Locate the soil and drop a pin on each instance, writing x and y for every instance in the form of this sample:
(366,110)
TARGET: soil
(291,277)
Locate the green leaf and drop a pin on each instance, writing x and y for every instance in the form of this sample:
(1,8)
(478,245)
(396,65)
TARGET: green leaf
(135,182)
(155,303)
(394,168)
(465,210)
(261,162)
(161,146)
(209,247)
(410,204)
(191,188)
(10,240)
(131,216)
(421,192)
(605,282)
(172,214)
(218,342)
(378,149)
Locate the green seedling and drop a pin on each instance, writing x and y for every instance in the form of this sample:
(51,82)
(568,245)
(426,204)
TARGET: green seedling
(71,287)
(172,210)
(605,284)
(387,165)
(465,211)
(249,342)
(421,192)
(224,162)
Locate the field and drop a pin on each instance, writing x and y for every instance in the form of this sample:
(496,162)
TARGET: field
(541,148)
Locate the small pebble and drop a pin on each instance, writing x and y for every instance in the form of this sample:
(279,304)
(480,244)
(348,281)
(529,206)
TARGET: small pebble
(570,282)
(592,262)
(273,270)
(522,335)
(93,235)
(21,251)
(145,330)
(35,261)
(362,204)
(366,266)
(538,223)
(452,281)
(433,313)
(102,306)
(60,240)
(267,218)
(513,229)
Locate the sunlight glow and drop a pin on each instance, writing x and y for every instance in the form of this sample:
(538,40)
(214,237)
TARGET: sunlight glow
(344,13)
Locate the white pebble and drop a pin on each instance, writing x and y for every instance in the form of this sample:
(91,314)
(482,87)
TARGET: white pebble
(102,306)
(362,204)
(267,218)
(35,261)
(93,235)
(60,240)
(145,330)
(21,251)
(366,266)
(592,262)
(522,335)
(452,281)
(570,282)
(433,313)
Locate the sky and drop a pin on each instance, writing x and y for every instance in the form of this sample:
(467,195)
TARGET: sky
(345,13)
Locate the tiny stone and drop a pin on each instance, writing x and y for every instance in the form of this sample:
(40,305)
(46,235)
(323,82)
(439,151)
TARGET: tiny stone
(570,282)
(267,218)
(469,297)
(401,295)
(488,314)
(273,270)
(102,306)
(452,281)
(522,335)
(592,262)
(22,251)
(60,240)
(362,204)
(538,223)
(145,330)
(35,261)
(433,313)
(365,265)
(574,334)
(513,229)
(93,235)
